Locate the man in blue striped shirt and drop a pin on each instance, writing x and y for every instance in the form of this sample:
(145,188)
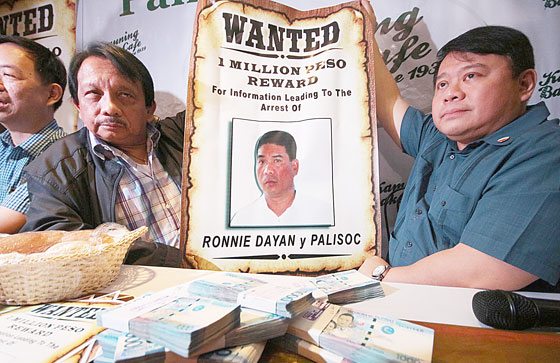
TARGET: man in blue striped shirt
(32,82)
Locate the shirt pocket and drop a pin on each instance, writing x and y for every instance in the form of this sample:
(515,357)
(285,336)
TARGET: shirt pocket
(450,211)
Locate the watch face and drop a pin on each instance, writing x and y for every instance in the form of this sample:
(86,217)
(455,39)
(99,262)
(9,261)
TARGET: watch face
(378,271)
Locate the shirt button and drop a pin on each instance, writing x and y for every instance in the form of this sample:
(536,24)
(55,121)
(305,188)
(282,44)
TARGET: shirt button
(443,203)
(418,211)
(408,244)
(167,205)
(452,156)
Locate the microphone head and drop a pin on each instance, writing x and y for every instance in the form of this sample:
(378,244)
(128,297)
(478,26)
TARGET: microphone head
(505,310)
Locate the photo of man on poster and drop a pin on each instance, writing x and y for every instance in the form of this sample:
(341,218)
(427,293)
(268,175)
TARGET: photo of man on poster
(280,204)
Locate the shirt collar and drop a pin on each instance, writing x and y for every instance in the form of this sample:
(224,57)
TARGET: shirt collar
(35,144)
(6,138)
(107,152)
(534,116)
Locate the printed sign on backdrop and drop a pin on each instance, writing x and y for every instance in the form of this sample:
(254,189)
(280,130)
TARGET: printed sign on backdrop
(280,164)
(51,23)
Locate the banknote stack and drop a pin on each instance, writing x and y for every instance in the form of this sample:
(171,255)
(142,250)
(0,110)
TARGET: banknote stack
(125,347)
(347,287)
(254,293)
(224,286)
(256,326)
(362,337)
(249,353)
(186,325)
(308,350)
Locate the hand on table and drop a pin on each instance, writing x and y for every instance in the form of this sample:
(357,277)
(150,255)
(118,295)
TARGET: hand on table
(370,264)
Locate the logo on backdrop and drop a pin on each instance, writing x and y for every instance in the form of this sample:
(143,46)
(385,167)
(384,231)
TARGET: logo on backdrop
(410,45)
(550,84)
(391,197)
(130,41)
(151,5)
(551,3)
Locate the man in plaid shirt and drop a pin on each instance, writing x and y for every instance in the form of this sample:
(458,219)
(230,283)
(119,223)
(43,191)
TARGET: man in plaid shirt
(123,166)
(32,82)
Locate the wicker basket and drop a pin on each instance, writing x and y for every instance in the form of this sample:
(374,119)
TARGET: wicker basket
(39,278)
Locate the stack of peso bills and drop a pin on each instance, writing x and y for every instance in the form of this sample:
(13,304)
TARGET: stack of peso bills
(125,347)
(184,324)
(347,287)
(249,353)
(308,350)
(128,348)
(280,300)
(362,337)
(256,326)
(254,293)
(224,286)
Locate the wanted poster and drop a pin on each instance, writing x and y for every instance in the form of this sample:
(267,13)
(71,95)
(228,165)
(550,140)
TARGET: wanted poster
(280,169)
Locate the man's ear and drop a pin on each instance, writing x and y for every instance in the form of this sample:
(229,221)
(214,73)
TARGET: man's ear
(55,94)
(527,82)
(295,166)
(151,109)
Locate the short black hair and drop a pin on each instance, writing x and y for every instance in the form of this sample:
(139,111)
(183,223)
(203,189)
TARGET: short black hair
(493,39)
(125,62)
(47,65)
(281,138)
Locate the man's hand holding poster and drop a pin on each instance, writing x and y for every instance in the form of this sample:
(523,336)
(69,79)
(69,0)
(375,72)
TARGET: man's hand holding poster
(280,163)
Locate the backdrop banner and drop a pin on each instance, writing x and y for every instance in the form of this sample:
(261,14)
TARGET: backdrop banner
(409,33)
(280,140)
(51,23)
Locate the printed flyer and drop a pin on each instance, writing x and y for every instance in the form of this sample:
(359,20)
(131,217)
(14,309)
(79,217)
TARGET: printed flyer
(55,331)
(44,333)
(280,169)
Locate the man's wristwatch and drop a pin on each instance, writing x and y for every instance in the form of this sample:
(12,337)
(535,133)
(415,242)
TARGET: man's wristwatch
(379,272)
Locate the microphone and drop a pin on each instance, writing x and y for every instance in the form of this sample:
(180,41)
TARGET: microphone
(508,310)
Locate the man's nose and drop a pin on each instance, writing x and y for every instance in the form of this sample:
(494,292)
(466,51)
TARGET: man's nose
(268,169)
(109,106)
(454,92)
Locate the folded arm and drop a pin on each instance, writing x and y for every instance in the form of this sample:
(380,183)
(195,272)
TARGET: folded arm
(460,266)
(52,209)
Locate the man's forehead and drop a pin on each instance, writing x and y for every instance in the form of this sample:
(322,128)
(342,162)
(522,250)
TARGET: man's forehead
(271,148)
(470,57)
(17,53)
(88,72)
(457,61)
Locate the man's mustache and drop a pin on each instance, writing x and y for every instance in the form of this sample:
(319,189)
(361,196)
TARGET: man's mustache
(113,121)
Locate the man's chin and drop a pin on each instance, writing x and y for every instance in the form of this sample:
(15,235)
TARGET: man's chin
(111,138)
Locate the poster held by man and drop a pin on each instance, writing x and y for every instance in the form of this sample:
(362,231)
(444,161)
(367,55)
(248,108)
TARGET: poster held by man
(285,74)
